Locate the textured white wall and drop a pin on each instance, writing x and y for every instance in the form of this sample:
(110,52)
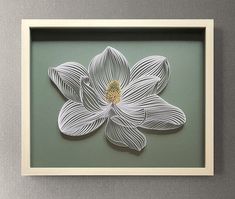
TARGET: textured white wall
(12,185)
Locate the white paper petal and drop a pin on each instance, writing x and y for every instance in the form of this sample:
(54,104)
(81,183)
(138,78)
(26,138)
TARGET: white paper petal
(89,98)
(139,88)
(161,115)
(153,65)
(122,122)
(124,136)
(130,112)
(67,78)
(108,66)
(75,120)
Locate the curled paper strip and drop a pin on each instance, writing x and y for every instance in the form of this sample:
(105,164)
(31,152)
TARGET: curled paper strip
(109,92)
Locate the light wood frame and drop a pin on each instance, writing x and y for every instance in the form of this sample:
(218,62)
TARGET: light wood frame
(207,24)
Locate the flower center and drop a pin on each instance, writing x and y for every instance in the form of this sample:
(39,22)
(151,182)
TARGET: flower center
(113,92)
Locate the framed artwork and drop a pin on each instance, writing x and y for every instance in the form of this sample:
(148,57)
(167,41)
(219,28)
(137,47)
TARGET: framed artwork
(117,97)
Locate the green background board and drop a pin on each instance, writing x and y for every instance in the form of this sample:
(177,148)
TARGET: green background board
(181,148)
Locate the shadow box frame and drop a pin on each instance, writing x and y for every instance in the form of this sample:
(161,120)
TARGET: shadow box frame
(206,24)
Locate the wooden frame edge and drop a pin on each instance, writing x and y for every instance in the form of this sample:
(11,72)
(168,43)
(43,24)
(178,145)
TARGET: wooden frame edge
(107,171)
(25,98)
(209,96)
(27,24)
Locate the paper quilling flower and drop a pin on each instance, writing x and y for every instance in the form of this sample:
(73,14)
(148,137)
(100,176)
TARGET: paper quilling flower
(125,99)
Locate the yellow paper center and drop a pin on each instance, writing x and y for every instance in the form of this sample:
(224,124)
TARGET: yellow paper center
(113,92)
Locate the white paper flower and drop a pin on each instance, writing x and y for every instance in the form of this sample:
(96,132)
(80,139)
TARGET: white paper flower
(109,91)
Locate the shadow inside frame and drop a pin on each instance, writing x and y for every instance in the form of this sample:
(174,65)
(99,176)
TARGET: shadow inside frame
(117,34)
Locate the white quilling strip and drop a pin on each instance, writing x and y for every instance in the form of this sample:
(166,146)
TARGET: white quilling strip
(139,88)
(132,113)
(125,136)
(67,78)
(153,65)
(122,121)
(75,120)
(107,66)
(161,115)
(110,92)
(89,98)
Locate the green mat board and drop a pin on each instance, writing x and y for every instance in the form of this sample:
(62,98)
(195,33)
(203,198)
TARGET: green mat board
(181,148)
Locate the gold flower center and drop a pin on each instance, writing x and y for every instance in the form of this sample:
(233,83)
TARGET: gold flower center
(113,92)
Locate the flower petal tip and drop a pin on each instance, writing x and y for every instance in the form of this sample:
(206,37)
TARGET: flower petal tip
(184,118)
(142,147)
(108,48)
